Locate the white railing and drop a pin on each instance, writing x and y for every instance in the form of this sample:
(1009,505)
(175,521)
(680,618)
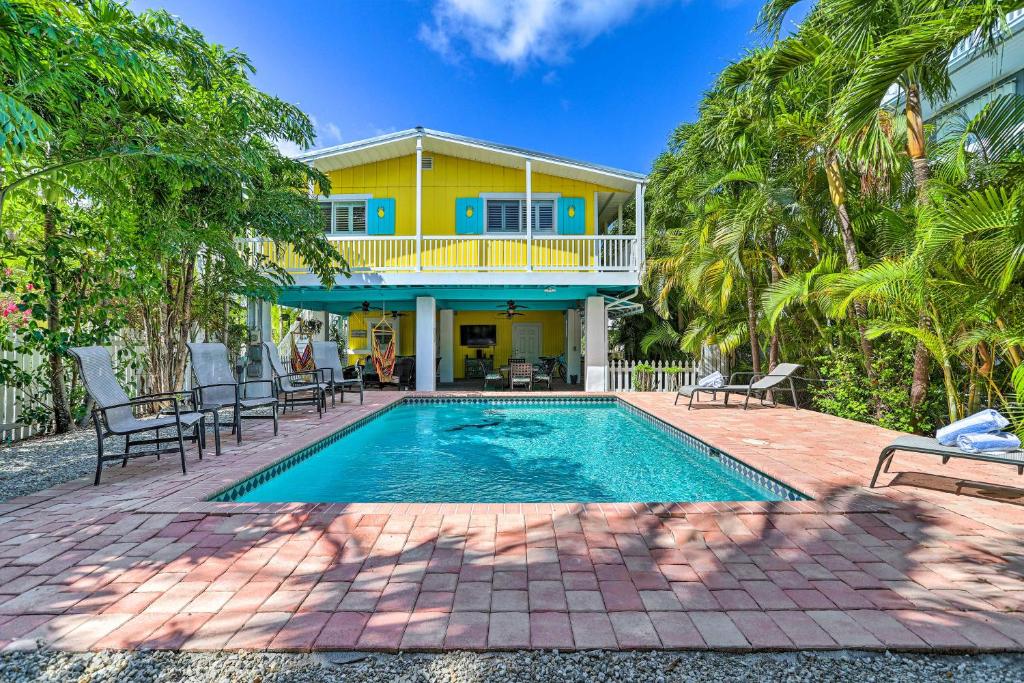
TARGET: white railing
(667,375)
(476,253)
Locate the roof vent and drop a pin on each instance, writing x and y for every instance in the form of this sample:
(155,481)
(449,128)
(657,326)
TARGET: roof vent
(427,163)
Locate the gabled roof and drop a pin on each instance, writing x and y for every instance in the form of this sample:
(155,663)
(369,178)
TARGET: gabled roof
(403,143)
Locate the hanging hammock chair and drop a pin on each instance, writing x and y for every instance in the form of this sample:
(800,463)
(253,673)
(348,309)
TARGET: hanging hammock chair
(383,349)
(302,361)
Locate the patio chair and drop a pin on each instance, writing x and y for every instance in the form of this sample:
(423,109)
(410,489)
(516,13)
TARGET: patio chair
(930,446)
(113,413)
(546,369)
(404,376)
(489,374)
(216,387)
(520,373)
(759,386)
(328,362)
(312,391)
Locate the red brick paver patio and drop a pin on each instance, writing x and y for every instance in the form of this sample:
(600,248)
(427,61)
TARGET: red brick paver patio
(143,562)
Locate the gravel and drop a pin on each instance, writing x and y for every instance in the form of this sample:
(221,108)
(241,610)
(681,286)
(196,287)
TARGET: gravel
(530,667)
(41,462)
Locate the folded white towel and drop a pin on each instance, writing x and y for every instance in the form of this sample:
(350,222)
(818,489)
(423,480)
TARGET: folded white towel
(987,420)
(712,381)
(994,442)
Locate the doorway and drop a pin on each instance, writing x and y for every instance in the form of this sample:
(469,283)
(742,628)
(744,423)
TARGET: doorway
(526,341)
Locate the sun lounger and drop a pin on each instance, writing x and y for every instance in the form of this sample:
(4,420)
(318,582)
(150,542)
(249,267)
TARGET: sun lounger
(928,445)
(759,386)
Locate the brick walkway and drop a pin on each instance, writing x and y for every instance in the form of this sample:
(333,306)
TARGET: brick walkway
(142,561)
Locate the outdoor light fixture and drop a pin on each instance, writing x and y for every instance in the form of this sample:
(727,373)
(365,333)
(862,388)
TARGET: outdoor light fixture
(549,290)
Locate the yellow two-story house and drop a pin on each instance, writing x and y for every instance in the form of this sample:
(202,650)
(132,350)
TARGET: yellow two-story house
(475,250)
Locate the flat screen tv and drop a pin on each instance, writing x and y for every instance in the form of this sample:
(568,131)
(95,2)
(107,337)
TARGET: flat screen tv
(478,335)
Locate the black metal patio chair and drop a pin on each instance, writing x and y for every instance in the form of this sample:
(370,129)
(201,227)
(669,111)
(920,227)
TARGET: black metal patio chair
(216,388)
(113,413)
(328,362)
(297,388)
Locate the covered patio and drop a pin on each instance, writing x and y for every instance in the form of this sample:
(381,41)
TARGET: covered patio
(456,332)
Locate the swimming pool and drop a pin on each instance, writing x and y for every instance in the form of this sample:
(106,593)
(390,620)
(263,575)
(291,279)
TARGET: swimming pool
(507,450)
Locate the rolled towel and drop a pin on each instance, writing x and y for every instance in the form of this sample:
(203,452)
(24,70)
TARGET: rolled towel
(987,420)
(712,381)
(991,442)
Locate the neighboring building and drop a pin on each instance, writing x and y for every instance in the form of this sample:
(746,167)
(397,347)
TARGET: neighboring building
(442,232)
(979,73)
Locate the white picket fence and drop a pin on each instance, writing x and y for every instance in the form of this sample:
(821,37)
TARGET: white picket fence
(13,402)
(667,375)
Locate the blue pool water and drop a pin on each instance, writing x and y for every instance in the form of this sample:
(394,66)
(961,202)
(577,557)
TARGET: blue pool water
(506,452)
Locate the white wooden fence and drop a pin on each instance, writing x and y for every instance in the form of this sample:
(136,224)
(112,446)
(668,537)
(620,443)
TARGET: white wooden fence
(667,375)
(13,401)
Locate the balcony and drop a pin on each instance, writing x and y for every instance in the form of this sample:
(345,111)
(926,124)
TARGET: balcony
(474,253)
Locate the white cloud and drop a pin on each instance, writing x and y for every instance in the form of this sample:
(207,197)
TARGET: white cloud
(522,32)
(330,132)
(288,148)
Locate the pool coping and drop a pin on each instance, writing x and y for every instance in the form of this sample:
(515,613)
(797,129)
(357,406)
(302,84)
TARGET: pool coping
(750,474)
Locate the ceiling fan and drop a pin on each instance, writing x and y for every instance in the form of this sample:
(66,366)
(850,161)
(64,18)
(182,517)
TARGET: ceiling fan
(512,309)
(364,307)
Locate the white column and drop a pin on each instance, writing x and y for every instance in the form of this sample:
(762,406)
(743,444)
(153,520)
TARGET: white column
(573,343)
(343,333)
(258,315)
(426,343)
(596,360)
(640,248)
(529,215)
(446,337)
(419,203)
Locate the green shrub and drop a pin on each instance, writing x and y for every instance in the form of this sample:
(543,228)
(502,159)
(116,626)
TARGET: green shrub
(848,393)
(643,377)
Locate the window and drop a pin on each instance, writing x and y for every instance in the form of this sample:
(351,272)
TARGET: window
(509,215)
(344,217)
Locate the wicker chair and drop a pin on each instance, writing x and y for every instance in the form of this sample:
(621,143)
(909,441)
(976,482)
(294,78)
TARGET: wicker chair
(113,413)
(519,373)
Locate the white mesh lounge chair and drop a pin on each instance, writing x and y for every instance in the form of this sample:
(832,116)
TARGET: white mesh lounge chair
(759,386)
(328,362)
(113,413)
(216,387)
(297,388)
(930,446)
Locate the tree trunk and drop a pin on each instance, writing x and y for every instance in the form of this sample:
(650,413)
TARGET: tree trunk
(755,348)
(55,361)
(919,159)
(837,190)
(916,142)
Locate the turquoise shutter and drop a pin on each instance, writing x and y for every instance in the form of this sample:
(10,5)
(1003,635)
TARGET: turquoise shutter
(469,216)
(571,216)
(380,216)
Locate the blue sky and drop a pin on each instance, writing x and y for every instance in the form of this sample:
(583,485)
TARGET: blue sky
(604,81)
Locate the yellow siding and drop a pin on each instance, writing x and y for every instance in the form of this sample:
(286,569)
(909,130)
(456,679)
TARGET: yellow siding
(450,178)
(552,338)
